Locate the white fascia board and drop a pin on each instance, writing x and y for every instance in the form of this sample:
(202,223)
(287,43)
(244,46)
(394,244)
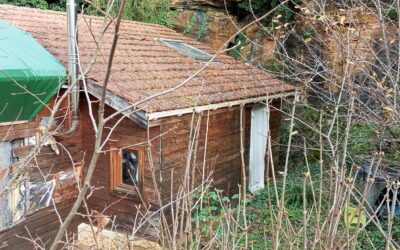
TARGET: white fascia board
(13,123)
(179,112)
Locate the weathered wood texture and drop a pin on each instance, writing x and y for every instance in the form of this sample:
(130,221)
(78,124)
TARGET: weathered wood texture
(127,133)
(28,129)
(42,224)
(275,126)
(46,160)
(169,149)
(11,132)
(222,162)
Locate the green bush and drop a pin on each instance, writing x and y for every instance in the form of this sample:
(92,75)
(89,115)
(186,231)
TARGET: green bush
(192,22)
(198,16)
(239,43)
(40,4)
(57,5)
(362,137)
(203,27)
(207,211)
(261,7)
(150,11)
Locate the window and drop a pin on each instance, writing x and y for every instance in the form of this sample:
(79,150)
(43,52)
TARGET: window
(186,49)
(29,192)
(126,170)
(130,167)
(13,203)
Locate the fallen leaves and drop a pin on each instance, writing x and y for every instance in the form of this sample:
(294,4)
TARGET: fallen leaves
(102,221)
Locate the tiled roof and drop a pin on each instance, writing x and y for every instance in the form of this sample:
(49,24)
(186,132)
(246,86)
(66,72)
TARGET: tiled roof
(142,66)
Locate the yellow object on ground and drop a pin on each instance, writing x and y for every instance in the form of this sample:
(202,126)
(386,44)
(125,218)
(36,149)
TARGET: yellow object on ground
(351,216)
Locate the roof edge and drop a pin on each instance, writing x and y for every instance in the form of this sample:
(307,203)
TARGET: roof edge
(13,123)
(178,112)
(118,103)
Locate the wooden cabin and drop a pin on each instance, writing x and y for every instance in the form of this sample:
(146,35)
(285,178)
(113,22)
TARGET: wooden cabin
(36,219)
(146,147)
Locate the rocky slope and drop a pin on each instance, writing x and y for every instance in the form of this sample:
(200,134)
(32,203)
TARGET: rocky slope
(214,22)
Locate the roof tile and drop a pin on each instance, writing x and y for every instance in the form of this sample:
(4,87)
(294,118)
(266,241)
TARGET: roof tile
(142,66)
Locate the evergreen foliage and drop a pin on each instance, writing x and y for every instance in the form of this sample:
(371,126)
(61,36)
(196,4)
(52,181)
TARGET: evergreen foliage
(263,6)
(149,11)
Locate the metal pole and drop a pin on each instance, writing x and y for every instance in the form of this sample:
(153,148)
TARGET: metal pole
(73,57)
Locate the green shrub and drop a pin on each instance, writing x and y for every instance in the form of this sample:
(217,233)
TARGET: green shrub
(239,43)
(287,10)
(40,4)
(150,11)
(198,16)
(192,22)
(207,211)
(362,137)
(203,27)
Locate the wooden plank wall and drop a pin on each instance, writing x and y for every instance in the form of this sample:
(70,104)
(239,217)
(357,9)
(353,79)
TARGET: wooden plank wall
(127,133)
(42,224)
(223,148)
(28,129)
(169,147)
(222,151)
(11,132)
(275,126)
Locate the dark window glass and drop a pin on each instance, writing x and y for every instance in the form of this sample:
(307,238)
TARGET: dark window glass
(130,167)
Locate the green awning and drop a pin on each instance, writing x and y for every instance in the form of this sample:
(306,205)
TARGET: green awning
(29,75)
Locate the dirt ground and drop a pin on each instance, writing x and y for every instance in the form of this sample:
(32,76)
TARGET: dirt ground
(108,239)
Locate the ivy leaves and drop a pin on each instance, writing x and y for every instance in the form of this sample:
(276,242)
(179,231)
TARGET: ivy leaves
(201,17)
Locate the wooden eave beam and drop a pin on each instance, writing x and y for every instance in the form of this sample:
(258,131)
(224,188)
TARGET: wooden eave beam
(153,117)
(118,103)
(144,119)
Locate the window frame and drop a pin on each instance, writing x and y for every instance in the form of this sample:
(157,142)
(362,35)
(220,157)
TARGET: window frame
(204,58)
(117,187)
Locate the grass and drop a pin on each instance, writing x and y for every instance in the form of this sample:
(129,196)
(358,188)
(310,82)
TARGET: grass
(222,219)
(258,214)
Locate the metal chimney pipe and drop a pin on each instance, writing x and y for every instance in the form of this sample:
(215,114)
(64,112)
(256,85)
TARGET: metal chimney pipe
(73,57)
(72,68)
